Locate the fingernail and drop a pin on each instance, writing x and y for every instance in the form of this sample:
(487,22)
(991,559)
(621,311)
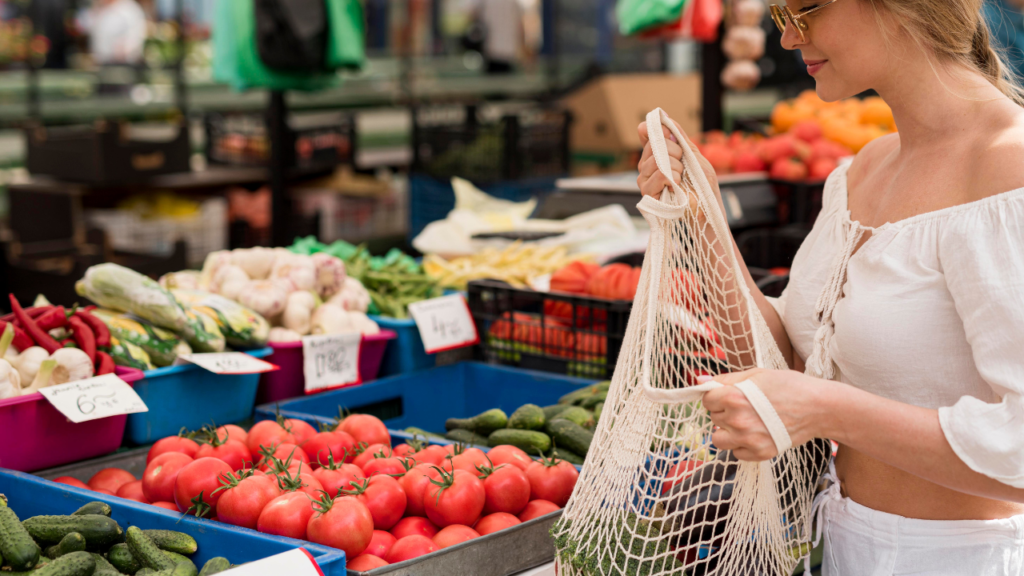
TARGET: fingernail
(705,378)
(672,137)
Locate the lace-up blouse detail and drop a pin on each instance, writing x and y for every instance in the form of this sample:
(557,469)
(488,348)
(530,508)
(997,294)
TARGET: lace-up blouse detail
(927,311)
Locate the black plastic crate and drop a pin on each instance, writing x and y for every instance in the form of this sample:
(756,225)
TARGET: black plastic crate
(798,202)
(319,142)
(769,253)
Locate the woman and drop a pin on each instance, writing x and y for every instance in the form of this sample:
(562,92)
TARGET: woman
(915,363)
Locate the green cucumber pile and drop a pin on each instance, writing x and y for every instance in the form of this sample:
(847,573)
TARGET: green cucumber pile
(90,543)
(562,430)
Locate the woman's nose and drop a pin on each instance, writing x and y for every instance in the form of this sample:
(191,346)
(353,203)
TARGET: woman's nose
(790,37)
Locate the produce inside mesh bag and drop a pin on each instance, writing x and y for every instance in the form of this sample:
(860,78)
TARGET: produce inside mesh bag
(656,497)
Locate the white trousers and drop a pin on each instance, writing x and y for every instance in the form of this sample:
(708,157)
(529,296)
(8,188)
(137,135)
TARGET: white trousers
(860,541)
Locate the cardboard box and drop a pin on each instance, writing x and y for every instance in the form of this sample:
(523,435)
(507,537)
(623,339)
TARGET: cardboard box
(607,110)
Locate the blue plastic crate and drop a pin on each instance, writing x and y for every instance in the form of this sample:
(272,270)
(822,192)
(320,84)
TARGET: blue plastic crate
(426,399)
(31,496)
(405,353)
(191,396)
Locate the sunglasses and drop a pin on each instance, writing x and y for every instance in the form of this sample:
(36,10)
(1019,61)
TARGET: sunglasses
(782,14)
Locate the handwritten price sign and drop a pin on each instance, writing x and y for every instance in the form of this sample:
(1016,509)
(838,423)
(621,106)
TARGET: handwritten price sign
(296,562)
(94,398)
(331,361)
(228,363)
(444,323)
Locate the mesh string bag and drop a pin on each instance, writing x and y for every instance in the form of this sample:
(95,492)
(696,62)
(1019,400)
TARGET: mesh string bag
(656,497)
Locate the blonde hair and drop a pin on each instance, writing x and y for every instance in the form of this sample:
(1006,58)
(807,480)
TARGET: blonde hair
(956,31)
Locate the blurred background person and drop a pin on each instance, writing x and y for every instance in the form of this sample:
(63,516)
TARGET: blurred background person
(117,32)
(500,23)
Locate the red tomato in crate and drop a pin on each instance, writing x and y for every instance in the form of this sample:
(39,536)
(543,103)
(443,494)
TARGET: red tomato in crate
(300,429)
(495,522)
(195,488)
(172,444)
(243,501)
(327,446)
(470,459)
(370,452)
(287,515)
(233,432)
(380,544)
(365,563)
(454,534)
(344,523)
(413,525)
(233,452)
(103,491)
(267,433)
(552,480)
(110,479)
(286,453)
(338,477)
(72,482)
(508,454)
(506,488)
(403,451)
(415,483)
(410,547)
(366,428)
(394,467)
(536,509)
(166,505)
(460,501)
(133,491)
(678,473)
(434,454)
(161,472)
(384,496)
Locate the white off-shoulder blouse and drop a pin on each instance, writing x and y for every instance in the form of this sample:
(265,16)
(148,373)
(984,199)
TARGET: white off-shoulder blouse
(928,311)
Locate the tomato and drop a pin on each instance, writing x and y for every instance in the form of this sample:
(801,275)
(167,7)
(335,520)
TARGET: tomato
(366,428)
(267,433)
(72,482)
(287,515)
(415,483)
(172,444)
(233,432)
(384,497)
(300,429)
(552,480)
(364,563)
(507,454)
(536,509)
(286,453)
(454,534)
(161,472)
(380,543)
(394,467)
(403,451)
(507,489)
(459,500)
(410,547)
(434,454)
(326,447)
(495,522)
(233,452)
(241,501)
(469,459)
(195,489)
(133,491)
(110,479)
(370,452)
(678,473)
(166,505)
(344,523)
(338,477)
(412,525)
(103,491)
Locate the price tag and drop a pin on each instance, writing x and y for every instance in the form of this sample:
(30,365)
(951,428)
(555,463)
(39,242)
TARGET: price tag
(331,361)
(228,363)
(297,562)
(444,323)
(94,398)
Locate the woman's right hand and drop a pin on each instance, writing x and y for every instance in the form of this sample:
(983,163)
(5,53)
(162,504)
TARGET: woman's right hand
(651,180)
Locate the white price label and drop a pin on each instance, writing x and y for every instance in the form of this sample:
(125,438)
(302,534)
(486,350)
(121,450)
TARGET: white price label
(94,398)
(331,361)
(297,562)
(444,323)
(228,363)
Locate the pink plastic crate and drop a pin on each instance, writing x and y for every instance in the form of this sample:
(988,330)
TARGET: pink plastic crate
(289,382)
(45,438)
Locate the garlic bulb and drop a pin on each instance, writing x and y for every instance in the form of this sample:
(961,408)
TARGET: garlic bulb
(43,379)
(256,262)
(284,335)
(265,297)
(330,274)
(229,281)
(28,363)
(363,323)
(295,267)
(10,380)
(72,365)
(353,296)
(744,43)
(213,263)
(331,319)
(741,75)
(298,311)
(184,280)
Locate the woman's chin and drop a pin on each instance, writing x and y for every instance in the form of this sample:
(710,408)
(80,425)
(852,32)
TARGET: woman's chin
(830,91)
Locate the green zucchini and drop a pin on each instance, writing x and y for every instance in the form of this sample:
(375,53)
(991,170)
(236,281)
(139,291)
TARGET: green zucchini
(483,423)
(466,437)
(527,417)
(101,508)
(103,567)
(591,401)
(529,441)
(100,532)
(577,396)
(173,541)
(580,416)
(74,564)
(215,566)
(563,454)
(16,545)
(569,435)
(554,410)
(122,559)
(146,551)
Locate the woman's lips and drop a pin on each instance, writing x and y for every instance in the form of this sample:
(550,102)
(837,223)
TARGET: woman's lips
(814,65)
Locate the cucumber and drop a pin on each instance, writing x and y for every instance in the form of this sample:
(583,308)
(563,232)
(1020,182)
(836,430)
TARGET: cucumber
(215,566)
(466,437)
(73,542)
(146,571)
(577,396)
(569,435)
(594,400)
(563,454)
(185,569)
(483,423)
(74,564)
(529,441)
(581,416)
(554,410)
(16,545)
(122,559)
(100,532)
(146,551)
(178,558)
(419,431)
(597,412)
(101,508)
(173,541)
(527,417)
(103,567)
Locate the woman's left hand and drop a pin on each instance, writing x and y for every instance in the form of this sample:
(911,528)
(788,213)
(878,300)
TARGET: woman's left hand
(796,397)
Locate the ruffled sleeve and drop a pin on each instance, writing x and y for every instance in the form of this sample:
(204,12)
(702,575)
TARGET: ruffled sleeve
(982,257)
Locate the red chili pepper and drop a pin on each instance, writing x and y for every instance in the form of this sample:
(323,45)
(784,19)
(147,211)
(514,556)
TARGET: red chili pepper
(32,329)
(33,312)
(105,364)
(56,318)
(99,329)
(84,337)
(21,340)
